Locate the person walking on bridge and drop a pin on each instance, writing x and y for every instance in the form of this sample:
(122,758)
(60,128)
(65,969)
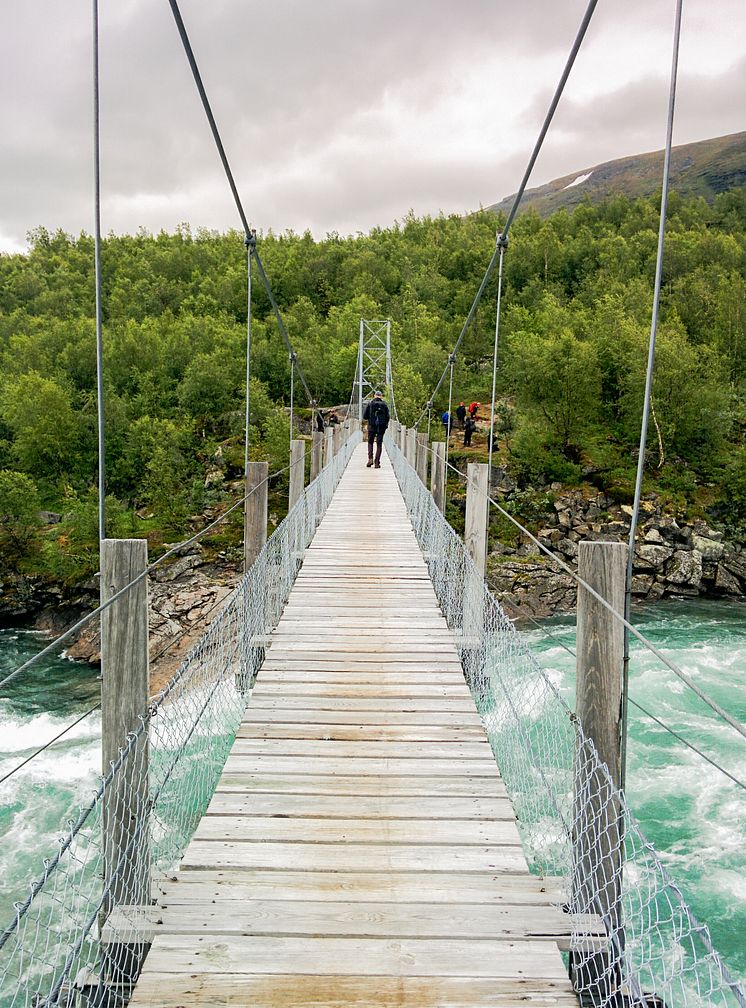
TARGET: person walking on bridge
(377,415)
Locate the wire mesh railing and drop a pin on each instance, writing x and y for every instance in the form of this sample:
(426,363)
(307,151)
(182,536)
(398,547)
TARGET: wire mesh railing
(78,938)
(635,942)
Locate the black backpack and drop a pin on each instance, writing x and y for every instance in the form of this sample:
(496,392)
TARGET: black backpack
(378,415)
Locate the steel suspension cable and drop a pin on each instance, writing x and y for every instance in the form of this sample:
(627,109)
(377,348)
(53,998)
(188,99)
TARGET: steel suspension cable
(97,283)
(231,181)
(451,362)
(250,243)
(648,383)
(679,673)
(643,710)
(503,246)
(84,620)
(579,37)
(292,395)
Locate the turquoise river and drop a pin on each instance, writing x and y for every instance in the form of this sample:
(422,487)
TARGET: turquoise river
(693,814)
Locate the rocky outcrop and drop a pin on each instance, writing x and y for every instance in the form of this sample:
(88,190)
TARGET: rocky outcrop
(183,597)
(671,559)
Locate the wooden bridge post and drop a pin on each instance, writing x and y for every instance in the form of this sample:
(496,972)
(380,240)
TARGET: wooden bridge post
(597,822)
(124,700)
(475,539)
(438,475)
(422,453)
(402,439)
(477,513)
(411,447)
(255,511)
(328,445)
(317,453)
(338,438)
(297,471)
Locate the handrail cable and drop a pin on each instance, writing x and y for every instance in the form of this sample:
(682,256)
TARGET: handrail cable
(502,238)
(690,745)
(648,385)
(46,745)
(248,232)
(135,581)
(686,679)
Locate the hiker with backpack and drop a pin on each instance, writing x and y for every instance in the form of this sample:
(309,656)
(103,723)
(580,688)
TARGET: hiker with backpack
(377,415)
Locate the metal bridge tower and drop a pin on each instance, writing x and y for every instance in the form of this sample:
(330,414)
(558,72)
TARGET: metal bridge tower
(374,363)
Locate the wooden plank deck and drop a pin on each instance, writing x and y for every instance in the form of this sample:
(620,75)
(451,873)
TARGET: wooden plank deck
(360,849)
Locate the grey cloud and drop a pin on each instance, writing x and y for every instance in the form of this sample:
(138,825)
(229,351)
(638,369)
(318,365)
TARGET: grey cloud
(297,88)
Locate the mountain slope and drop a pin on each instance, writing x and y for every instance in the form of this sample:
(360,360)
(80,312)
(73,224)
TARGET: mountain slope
(703,169)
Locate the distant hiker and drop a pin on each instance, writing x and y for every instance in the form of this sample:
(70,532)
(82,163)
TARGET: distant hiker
(461,415)
(474,410)
(332,419)
(446,419)
(377,415)
(319,421)
(470,425)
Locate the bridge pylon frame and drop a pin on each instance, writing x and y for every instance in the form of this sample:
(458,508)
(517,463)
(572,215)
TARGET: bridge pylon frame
(374,362)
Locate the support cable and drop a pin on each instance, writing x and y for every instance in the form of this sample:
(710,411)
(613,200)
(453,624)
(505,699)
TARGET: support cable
(84,620)
(679,673)
(97,272)
(503,246)
(451,362)
(231,181)
(524,181)
(292,359)
(250,243)
(648,386)
(684,741)
(46,745)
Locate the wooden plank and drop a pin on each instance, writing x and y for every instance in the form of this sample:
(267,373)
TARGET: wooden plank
(256,828)
(312,714)
(442,887)
(358,733)
(357,920)
(433,807)
(376,749)
(176,990)
(365,784)
(267,688)
(424,705)
(299,766)
(355,956)
(212,854)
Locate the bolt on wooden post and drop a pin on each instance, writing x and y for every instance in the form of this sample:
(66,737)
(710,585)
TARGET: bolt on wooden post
(597,814)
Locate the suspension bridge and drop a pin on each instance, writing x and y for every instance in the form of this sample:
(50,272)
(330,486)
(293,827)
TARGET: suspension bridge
(360,788)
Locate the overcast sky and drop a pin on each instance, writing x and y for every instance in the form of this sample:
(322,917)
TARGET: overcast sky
(339,115)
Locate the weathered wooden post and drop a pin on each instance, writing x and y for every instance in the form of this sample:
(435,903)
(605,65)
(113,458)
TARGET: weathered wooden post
(597,823)
(297,471)
(255,511)
(477,511)
(338,441)
(124,701)
(328,445)
(410,451)
(317,453)
(422,453)
(471,643)
(438,475)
